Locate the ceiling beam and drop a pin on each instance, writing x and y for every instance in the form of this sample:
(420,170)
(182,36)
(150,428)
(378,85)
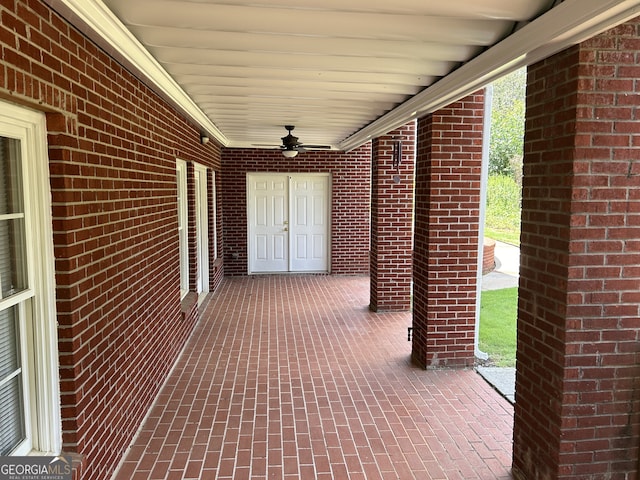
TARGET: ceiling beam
(569,23)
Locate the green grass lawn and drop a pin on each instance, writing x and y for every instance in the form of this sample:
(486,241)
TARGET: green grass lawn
(503,210)
(498,314)
(498,308)
(505,236)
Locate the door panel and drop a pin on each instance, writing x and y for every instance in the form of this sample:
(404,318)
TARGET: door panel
(268,233)
(310,226)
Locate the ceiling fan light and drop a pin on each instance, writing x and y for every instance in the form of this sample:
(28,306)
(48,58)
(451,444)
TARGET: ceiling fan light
(289,153)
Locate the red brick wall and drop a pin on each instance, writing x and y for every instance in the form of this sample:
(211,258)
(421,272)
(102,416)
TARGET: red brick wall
(113,146)
(577,411)
(447,212)
(392,221)
(193,237)
(216,264)
(350,202)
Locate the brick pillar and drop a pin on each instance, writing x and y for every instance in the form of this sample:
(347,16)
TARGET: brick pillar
(448,176)
(392,219)
(578,382)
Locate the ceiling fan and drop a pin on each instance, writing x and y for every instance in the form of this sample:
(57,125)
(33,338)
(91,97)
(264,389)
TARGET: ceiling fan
(291,146)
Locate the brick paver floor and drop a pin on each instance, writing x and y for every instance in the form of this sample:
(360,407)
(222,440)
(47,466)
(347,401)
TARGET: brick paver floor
(292,377)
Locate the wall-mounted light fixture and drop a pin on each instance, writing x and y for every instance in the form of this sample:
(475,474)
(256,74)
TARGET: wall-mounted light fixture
(204,139)
(397,158)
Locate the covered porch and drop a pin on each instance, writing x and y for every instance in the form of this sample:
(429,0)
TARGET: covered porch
(295,377)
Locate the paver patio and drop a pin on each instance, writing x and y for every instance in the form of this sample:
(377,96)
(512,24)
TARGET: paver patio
(292,377)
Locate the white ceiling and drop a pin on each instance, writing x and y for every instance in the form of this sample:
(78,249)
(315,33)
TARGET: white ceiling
(341,71)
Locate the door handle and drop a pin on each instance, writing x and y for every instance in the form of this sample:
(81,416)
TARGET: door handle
(285,229)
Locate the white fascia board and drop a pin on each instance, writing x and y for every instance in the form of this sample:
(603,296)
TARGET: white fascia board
(571,22)
(96,21)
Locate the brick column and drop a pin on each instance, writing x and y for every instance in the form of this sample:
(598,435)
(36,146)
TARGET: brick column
(577,412)
(448,176)
(393,159)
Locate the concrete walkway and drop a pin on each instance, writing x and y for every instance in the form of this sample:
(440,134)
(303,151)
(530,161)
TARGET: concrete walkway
(505,275)
(503,379)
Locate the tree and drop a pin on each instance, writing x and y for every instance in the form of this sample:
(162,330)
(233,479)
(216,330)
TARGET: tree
(507,125)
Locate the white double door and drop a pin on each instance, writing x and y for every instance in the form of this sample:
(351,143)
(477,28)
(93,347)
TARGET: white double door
(289,223)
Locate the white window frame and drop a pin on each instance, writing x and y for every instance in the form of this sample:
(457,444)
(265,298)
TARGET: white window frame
(214,217)
(183,226)
(37,302)
(202,227)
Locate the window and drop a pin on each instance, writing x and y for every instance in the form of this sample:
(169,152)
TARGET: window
(29,388)
(202,228)
(181,175)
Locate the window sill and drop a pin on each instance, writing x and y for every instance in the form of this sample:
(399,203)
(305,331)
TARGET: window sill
(189,302)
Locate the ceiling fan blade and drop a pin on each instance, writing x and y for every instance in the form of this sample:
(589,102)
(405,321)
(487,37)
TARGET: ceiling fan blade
(317,147)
